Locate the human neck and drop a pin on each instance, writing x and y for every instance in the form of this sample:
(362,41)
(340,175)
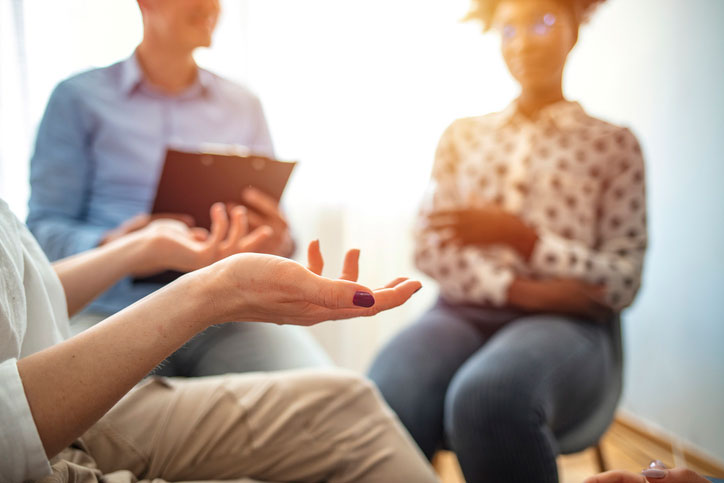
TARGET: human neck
(532,101)
(167,68)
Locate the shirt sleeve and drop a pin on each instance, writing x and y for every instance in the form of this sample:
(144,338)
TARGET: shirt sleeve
(60,172)
(23,456)
(262,142)
(616,261)
(465,275)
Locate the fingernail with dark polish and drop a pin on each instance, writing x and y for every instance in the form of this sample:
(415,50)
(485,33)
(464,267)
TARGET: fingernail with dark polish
(363,299)
(654,473)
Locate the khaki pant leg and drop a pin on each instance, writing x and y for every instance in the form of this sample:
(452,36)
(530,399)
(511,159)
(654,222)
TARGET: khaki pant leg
(75,465)
(304,425)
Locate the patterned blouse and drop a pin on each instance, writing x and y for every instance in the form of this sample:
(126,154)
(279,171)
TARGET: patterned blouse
(578,181)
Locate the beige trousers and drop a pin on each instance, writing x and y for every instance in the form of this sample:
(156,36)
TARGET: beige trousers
(303,425)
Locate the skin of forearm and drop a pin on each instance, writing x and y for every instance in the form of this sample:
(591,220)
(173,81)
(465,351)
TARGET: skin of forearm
(88,274)
(71,385)
(531,295)
(521,292)
(523,239)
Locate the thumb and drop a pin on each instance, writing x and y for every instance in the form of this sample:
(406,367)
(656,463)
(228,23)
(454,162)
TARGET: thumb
(337,294)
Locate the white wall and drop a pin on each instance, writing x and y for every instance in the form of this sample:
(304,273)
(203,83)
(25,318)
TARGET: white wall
(359,92)
(658,66)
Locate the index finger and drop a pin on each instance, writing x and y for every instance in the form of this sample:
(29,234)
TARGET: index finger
(315,262)
(238,228)
(396,282)
(350,268)
(219,224)
(439,220)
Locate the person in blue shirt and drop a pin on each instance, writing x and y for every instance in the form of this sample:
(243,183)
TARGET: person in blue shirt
(99,153)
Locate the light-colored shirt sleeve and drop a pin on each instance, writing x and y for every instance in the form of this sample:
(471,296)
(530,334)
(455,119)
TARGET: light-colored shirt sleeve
(465,275)
(616,261)
(23,457)
(60,174)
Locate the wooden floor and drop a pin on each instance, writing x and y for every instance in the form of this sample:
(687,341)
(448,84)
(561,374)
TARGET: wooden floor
(623,449)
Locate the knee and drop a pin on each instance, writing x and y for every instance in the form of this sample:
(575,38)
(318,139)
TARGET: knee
(484,401)
(347,385)
(399,384)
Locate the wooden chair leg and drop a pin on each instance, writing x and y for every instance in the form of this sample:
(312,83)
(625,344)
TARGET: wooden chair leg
(600,459)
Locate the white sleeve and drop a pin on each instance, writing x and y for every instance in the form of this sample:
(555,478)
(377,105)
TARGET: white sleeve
(23,456)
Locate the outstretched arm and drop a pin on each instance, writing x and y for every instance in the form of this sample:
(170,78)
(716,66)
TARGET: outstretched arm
(71,385)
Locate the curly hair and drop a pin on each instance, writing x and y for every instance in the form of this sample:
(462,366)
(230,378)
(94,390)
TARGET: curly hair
(484,10)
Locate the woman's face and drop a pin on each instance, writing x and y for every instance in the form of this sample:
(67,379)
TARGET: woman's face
(536,37)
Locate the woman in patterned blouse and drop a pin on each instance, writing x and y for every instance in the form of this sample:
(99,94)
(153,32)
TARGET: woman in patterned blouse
(536,233)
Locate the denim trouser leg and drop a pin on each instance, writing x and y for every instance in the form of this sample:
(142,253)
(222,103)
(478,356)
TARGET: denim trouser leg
(537,376)
(414,369)
(503,404)
(245,347)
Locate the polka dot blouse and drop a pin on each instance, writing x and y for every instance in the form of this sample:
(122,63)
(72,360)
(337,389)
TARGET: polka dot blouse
(578,181)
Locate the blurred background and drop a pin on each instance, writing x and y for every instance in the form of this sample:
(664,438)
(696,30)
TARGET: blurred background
(360,91)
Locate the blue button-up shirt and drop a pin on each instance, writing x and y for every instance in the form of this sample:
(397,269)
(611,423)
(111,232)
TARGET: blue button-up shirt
(100,150)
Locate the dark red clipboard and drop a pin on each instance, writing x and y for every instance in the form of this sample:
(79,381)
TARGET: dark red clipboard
(191,182)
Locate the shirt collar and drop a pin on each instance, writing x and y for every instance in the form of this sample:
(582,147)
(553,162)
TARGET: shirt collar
(132,78)
(131,74)
(205,79)
(562,114)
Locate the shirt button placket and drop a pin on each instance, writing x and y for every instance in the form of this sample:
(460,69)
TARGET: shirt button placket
(518,172)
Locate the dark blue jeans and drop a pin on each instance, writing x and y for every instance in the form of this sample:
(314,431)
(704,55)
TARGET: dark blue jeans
(495,386)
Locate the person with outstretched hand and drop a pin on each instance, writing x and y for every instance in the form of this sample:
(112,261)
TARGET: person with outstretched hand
(72,409)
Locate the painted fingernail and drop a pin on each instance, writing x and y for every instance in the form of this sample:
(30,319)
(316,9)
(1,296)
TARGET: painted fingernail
(418,289)
(363,299)
(657,464)
(654,473)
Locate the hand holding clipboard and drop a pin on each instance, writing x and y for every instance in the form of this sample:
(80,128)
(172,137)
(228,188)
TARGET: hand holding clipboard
(191,183)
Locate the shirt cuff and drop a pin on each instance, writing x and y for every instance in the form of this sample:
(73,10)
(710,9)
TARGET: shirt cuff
(495,281)
(497,287)
(23,453)
(551,257)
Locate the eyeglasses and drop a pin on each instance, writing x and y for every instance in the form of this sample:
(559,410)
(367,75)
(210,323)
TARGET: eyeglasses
(540,28)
